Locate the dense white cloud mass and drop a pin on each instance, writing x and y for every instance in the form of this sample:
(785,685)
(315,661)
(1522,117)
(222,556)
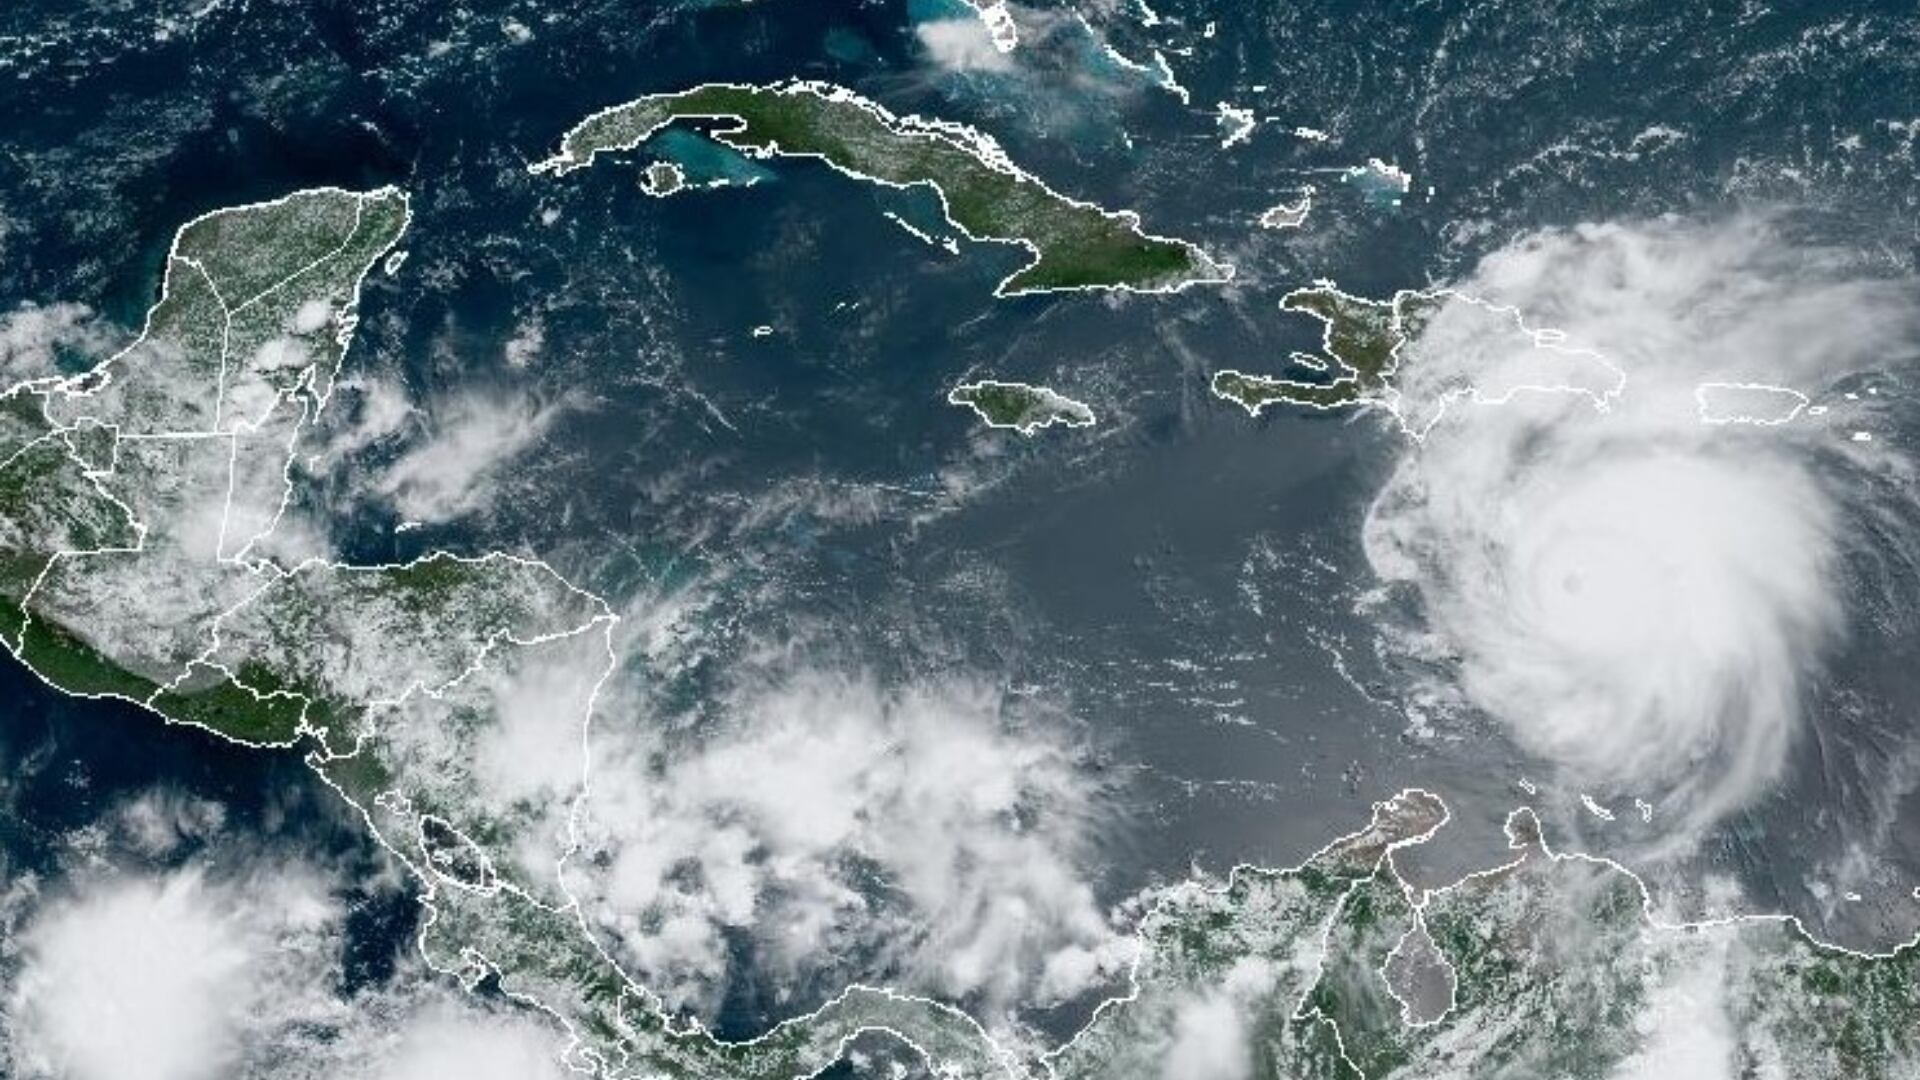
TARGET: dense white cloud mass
(227,965)
(1209,1041)
(160,978)
(1640,596)
(1685,1026)
(962,45)
(920,829)
(1212,1030)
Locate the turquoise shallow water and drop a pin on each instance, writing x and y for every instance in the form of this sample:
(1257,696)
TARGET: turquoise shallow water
(706,161)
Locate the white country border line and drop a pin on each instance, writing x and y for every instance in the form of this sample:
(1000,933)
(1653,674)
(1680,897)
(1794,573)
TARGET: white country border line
(1414,901)
(1548,339)
(67,385)
(1527,835)
(655,1006)
(1453,973)
(1001,29)
(1226,886)
(346,315)
(608,620)
(1237,124)
(1327,327)
(432,878)
(1276,382)
(603,622)
(226,332)
(947,244)
(105,371)
(267,575)
(969,140)
(1301,1011)
(33,443)
(308,412)
(1389,396)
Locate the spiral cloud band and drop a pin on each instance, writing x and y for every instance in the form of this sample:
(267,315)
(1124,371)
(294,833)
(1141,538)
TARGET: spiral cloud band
(1641,596)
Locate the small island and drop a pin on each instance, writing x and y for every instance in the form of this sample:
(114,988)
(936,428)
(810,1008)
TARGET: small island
(1288,215)
(662,178)
(1023,408)
(1074,244)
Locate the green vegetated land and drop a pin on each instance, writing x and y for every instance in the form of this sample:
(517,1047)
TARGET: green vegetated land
(1360,348)
(1075,244)
(395,678)
(1023,408)
(1546,966)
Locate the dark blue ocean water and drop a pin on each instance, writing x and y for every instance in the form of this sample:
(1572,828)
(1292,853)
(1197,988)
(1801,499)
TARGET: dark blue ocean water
(1120,559)
(70,765)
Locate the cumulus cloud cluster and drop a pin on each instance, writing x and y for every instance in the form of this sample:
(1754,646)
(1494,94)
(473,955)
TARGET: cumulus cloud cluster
(1642,597)
(34,336)
(1212,1035)
(156,979)
(926,830)
(1686,1024)
(226,963)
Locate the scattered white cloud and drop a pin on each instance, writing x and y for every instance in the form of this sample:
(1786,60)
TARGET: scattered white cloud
(450,474)
(925,830)
(997,15)
(1641,597)
(534,748)
(962,45)
(312,316)
(33,336)
(528,340)
(296,537)
(365,411)
(160,820)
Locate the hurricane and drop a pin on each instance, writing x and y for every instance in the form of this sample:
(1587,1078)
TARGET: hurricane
(1645,590)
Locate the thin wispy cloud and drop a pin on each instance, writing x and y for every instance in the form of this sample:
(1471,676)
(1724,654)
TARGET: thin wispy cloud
(453,470)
